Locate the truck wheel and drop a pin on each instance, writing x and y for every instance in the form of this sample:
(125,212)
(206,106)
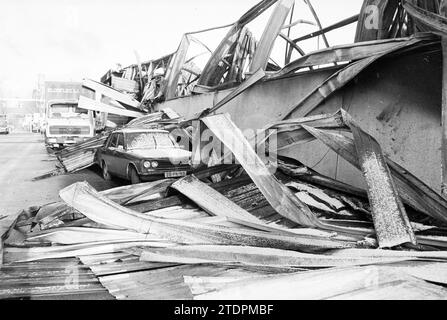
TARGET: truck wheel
(105,172)
(133,175)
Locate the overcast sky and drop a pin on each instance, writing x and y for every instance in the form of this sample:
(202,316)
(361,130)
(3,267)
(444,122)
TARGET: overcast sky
(76,39)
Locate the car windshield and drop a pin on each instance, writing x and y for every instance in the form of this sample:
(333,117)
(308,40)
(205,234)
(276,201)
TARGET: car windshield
(67,110)
(149,140)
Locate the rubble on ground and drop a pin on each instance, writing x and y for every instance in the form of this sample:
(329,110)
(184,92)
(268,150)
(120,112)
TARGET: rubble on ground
(252,230)
(241,231)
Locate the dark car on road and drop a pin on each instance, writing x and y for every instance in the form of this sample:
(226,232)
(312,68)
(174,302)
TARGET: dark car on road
(143,155)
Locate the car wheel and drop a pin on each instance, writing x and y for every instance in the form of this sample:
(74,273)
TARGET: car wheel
(133,175)
(105,172)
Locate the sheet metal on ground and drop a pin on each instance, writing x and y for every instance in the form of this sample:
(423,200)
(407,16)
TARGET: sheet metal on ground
(50,279)
(127,277)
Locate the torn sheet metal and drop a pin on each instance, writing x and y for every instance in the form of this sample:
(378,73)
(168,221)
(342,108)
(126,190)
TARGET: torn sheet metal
(50,280)
(435,22)
(278,195)
(102,210)
(78,235)
(141,192)
(101,91)
(416,255)
(274,26)
(390,219)
(339,80)
(201,284)
(312,203)
(372,282)
(282,200)
(91,104)
(343,53)
(330,202)
(412,191)
(291,133)
(56,252)
(147,119)
(151,284)
(174,70)
(211,200)
(125,85)
(251,256)
(6,224)
(255,78)
(214,70)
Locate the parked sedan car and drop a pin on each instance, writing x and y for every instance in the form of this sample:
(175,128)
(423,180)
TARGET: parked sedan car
(143,155)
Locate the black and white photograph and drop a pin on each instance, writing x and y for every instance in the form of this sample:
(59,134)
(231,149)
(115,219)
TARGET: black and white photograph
(238,153)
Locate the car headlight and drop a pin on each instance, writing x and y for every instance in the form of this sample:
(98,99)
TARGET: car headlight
(147,164)
(154,164)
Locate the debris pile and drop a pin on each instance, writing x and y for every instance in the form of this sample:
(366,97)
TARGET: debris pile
(245,231)
(252,235)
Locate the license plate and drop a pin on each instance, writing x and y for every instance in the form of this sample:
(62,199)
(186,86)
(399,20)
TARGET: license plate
(69,141)
(175,174)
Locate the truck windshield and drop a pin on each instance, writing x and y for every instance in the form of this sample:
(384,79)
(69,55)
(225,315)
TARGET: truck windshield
(148,140)
(67,111)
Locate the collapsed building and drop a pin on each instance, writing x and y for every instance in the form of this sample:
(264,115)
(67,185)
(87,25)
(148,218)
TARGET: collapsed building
(376,79)
(361,165)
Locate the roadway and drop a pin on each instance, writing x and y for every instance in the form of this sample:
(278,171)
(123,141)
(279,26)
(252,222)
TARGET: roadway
(24,156)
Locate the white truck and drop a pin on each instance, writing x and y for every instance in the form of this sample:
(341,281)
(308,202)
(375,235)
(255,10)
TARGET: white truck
(65,123)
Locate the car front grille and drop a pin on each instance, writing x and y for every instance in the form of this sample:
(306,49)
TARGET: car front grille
(83,130)
(167,165)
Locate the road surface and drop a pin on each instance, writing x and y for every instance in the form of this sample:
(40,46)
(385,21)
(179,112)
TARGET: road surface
(24,156)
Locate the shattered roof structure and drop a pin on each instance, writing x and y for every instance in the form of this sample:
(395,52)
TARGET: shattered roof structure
(371,78)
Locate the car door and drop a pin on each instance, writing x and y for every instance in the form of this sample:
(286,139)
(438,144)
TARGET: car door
(121,161)
(109,153)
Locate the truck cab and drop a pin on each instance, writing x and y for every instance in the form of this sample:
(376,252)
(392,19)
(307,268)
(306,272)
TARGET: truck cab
(66,124)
